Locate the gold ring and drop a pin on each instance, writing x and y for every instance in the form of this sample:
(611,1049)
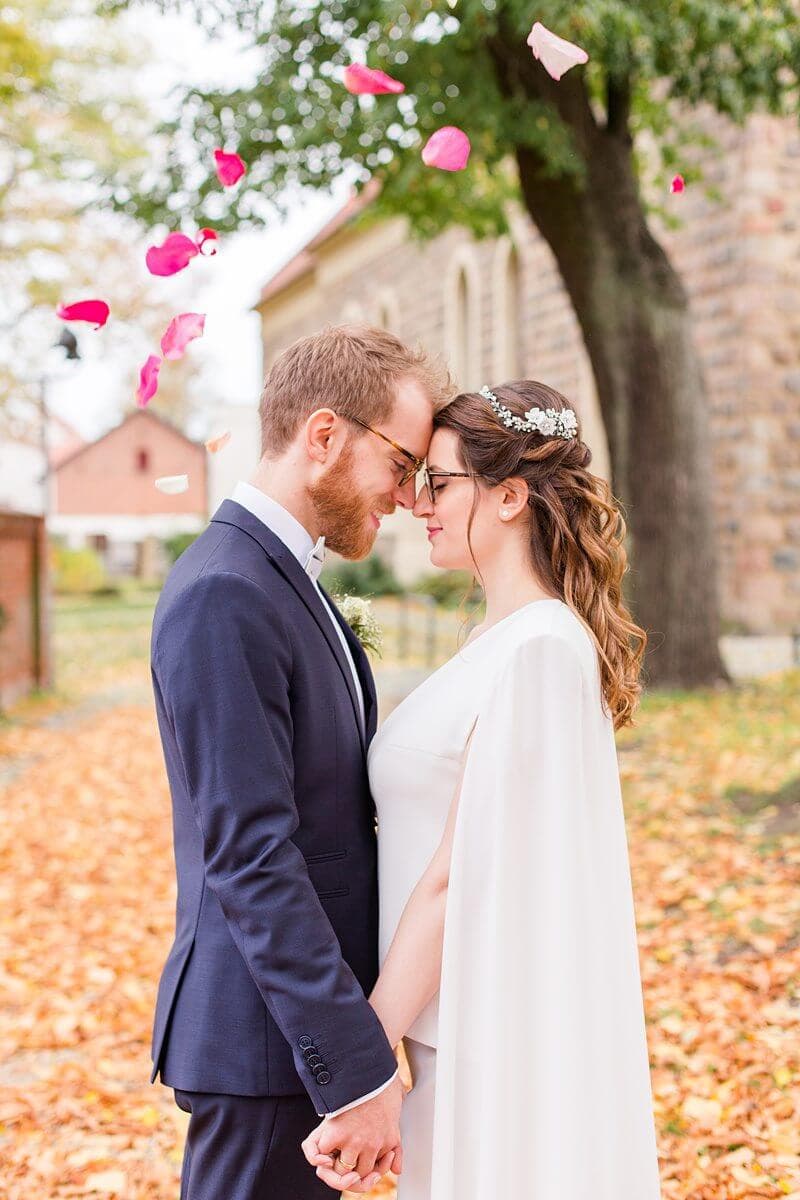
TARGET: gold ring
(350,1166)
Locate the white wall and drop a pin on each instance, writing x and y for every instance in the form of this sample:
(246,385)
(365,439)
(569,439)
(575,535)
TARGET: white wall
(76,528)
(239,458)
(21,469)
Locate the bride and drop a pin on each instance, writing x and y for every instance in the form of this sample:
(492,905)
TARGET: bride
(507,939)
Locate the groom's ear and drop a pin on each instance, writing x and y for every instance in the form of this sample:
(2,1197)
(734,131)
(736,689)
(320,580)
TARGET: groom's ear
(322,431)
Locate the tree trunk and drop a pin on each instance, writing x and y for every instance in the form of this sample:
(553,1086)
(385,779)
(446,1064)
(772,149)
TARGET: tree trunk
(635,319)
(634,315)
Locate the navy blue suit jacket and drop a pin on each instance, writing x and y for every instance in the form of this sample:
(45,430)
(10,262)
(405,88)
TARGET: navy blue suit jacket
(276,939)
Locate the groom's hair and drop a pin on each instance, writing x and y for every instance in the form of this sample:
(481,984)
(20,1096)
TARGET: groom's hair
(352,369)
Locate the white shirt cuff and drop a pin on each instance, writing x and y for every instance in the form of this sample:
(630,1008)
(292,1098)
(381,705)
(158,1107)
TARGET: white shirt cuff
(362,1099)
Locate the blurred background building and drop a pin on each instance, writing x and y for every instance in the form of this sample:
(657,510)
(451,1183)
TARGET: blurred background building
(102,494)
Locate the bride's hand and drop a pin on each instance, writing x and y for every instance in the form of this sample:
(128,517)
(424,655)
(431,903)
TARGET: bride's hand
(387,1163)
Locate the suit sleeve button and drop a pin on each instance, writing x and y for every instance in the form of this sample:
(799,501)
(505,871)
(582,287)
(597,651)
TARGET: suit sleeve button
(323,1078)
(313,1060)
(305,1041)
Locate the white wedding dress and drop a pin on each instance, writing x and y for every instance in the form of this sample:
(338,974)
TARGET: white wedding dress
(530,1065)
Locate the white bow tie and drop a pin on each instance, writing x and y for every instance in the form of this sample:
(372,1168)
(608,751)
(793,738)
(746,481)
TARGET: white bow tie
(316,558)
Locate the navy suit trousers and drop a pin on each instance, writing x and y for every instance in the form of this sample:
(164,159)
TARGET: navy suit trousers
(248,1148)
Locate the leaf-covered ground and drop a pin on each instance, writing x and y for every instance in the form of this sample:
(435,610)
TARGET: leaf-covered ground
(713,811)
(86,911)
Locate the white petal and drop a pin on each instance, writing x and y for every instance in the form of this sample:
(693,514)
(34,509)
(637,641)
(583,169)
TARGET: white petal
(171,485)
(556,54)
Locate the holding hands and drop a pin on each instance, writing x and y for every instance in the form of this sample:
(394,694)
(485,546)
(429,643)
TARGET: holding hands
(353,1151)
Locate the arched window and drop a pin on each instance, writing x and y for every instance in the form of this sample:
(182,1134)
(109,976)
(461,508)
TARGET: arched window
(462,331)
(507,335)
(462,317)
(387,314)
(142,460)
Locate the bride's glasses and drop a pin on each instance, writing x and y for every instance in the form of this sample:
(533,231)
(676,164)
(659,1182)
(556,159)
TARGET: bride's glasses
(432,487)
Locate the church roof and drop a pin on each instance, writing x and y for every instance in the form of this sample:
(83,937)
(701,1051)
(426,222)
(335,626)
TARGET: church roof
(304,260)
(135,415)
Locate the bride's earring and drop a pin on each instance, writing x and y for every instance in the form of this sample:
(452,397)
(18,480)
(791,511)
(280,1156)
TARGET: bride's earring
(504,513)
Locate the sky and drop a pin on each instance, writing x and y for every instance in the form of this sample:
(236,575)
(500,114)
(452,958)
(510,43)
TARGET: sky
(226,286)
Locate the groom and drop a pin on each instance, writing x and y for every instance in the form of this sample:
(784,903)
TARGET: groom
(266,706)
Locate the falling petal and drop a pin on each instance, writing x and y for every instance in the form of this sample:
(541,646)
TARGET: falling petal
(94,311)
(148,380)
(172,485)
(180,331)
(448,148)
(207,242)
(175,253)
(678,184)
(554,53)
(230,168)
(367,81)
(215,444)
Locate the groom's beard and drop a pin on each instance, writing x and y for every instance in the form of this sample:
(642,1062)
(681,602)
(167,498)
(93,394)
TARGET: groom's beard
(342,513)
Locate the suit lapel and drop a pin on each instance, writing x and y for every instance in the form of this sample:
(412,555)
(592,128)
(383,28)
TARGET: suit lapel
(231,513)
(364,669)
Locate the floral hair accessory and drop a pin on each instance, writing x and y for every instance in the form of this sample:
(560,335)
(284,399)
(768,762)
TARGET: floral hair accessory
(550,422)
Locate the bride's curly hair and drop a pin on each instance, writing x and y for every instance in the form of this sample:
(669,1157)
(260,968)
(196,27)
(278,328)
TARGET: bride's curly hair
(577,529)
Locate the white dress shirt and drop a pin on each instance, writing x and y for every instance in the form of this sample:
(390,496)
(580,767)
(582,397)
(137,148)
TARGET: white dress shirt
(297,539)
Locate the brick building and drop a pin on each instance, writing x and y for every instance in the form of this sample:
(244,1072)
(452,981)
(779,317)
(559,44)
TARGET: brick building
(103,495)
(497,309)
(24,635)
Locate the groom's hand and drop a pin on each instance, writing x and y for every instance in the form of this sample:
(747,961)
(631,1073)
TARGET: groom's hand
(331,1171)
(367,1139)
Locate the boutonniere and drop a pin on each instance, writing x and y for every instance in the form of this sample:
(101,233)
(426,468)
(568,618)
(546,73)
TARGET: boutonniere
(357,611)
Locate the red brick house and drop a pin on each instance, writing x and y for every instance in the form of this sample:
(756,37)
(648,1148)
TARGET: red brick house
(104,495)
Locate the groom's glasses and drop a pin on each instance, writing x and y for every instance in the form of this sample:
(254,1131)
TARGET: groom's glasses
(416,463)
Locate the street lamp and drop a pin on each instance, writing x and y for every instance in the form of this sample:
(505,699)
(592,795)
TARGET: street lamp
(69,344)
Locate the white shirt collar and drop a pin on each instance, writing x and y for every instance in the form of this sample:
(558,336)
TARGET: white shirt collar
(277,518)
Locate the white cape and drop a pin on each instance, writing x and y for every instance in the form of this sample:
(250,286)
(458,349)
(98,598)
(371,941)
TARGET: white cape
(542,1075)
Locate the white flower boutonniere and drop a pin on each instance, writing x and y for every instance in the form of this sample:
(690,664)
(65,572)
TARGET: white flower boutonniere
(357,611)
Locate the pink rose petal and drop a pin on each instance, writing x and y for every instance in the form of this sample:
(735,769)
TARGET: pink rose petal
(230,168)
(148,380)
(207,242)
(215,444)
(368,81)
(176,252)
(180,331)
(173,485)
(678,184)
(554,53)
(94,311)
(448,148)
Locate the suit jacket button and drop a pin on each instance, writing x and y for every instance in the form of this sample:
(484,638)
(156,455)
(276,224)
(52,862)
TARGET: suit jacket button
(317,1067)
(323,1077)
(314,1060)
(305,1041)
(309,1051)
